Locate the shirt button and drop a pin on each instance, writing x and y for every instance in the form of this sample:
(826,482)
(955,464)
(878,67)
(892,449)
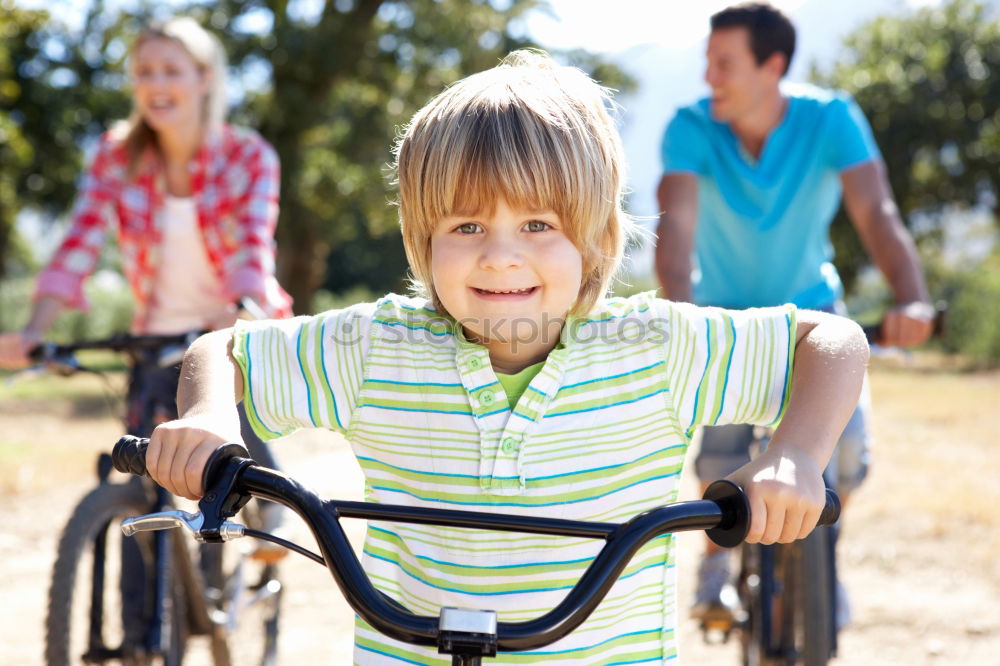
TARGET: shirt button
(486,398)
(475,363)
(509,445)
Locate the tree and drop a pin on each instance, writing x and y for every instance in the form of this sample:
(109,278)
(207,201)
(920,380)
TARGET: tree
(927,82)
(57,90)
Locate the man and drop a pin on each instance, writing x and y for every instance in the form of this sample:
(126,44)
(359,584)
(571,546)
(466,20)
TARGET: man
(753,176)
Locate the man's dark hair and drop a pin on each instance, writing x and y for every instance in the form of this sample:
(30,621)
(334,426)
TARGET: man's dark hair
(770,30)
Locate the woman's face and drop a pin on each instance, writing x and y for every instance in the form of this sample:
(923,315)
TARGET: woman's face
(169,88)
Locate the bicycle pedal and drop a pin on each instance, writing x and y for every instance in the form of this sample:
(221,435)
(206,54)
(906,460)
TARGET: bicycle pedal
(715,634)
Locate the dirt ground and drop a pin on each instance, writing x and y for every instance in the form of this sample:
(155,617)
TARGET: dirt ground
(918,553)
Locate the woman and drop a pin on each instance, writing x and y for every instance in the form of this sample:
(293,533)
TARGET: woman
(195,201)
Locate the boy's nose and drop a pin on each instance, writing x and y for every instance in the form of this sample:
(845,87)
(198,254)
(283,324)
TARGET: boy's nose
(500,254)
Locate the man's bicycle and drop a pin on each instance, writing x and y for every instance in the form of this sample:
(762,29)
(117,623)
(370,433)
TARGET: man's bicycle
(138,601)
(787,593)
(468,635)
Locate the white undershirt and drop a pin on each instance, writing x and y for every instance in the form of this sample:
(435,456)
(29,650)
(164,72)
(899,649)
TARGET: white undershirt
(188,294)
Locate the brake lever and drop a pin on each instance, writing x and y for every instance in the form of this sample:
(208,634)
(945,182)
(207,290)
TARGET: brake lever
(163,520)
(194,522)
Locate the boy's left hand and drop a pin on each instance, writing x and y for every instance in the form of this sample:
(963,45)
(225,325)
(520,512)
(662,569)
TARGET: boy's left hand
(786,493)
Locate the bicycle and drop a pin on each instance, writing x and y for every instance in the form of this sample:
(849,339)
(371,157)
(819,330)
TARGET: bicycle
(787,593)
(164,593)
(468,635)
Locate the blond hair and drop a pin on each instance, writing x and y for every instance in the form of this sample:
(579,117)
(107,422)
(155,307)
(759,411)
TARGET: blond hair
(528,131)
(207,52)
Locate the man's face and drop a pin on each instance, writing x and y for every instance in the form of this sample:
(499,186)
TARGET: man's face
(739,85)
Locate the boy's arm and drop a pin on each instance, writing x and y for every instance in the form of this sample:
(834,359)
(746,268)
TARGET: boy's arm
(785,483)
(211,385)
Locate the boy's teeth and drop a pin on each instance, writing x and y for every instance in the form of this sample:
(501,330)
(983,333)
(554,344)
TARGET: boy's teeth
(508,291)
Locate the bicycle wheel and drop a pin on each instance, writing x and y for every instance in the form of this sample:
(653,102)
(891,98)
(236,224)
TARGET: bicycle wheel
(812,594)
(753,587)
(95,614)
(245,596)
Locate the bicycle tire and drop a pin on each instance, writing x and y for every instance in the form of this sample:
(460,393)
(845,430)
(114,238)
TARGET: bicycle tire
(96,518)
(751,593)
(813,599)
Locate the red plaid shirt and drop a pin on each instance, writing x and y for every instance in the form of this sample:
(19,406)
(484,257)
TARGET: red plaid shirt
(234,181)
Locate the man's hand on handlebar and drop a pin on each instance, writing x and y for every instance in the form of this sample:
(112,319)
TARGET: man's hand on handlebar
(907,325)
(179,450)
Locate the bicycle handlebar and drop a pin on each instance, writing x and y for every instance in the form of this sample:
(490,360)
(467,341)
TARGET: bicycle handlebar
(724,514)
(119,342)
(62,354)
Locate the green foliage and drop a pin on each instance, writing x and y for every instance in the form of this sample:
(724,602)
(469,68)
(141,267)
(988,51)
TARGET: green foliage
(926,80)
(324,300)
(972,326)
(15,151)
(58,90)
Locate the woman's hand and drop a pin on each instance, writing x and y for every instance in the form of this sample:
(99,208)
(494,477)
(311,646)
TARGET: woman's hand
(179,450)
(786,493)
(14,348)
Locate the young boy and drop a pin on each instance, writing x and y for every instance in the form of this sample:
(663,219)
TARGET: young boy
(515,386)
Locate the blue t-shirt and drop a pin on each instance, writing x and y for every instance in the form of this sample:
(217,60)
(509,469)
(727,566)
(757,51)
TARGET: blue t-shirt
(763,226)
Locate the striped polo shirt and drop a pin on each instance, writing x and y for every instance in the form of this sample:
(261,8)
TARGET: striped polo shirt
(600,434)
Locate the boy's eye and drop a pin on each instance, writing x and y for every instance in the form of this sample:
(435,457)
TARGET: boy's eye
(468,228)
(537,225)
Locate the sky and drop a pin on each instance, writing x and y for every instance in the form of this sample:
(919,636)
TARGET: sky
(672,23)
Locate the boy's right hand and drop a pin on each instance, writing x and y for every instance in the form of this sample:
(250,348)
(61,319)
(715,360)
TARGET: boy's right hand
(179,450)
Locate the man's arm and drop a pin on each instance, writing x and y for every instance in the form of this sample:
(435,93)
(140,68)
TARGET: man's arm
(873,212)
(677,196)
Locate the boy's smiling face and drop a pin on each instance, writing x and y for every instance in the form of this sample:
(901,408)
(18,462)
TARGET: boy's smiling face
(504,275)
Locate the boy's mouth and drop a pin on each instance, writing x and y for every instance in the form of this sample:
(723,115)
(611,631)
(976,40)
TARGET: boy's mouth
(526,291)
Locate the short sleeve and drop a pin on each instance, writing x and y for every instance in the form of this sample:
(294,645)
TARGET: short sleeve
(684,148)
(729,366)
(304,372)
(850,139)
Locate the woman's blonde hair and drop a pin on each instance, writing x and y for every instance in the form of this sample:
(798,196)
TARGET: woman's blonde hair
(207,52)
(531,132)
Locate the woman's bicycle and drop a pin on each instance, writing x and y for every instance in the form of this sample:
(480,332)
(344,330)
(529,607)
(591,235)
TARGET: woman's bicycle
(468,635)
(138,601)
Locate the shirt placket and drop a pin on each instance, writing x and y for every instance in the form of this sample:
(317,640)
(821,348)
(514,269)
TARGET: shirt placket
(486,398)
(508,464)
(501,458)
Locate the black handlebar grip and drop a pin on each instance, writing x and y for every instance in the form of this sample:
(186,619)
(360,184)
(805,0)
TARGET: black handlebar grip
(217,462)
(872,333)
(129,455)
(831,511)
